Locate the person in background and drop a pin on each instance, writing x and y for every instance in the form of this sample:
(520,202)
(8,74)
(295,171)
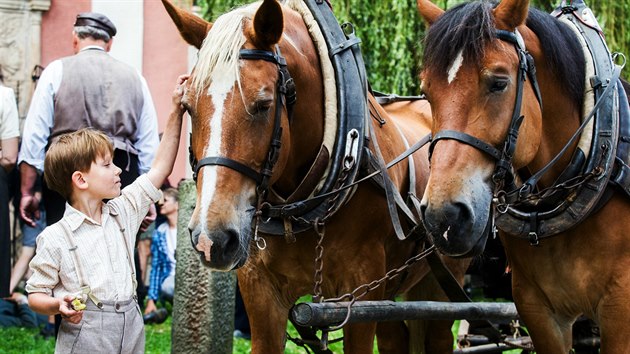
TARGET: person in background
(88,89)
(9,135)
(83,267)
(15,312)
(29,235)
(163,245)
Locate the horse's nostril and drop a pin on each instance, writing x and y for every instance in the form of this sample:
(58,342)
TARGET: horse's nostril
(459,212)
(423,209)
(232,243)
(194,237)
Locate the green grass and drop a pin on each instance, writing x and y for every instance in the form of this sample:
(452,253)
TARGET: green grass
(28,341)
(24,341)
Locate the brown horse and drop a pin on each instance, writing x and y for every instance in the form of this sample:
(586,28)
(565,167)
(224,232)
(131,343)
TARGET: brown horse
(471,77)
(233,106)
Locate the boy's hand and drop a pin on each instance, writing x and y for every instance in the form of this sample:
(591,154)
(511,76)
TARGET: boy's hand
(178,93)
(67,312)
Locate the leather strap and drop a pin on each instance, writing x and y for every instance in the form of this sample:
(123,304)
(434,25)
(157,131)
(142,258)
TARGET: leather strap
(235,165)
(455,293)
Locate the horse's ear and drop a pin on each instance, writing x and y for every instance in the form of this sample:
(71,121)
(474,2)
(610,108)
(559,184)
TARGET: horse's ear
(191,27)
(268,24)
(429,11)
(510,14)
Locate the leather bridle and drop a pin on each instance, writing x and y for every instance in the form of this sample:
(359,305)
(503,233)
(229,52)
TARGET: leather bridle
(285,96)
(503,175)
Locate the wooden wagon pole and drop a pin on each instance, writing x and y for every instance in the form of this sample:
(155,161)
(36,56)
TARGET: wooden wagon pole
(203,305)
(331,313)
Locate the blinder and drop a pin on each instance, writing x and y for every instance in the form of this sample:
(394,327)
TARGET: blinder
(285,96)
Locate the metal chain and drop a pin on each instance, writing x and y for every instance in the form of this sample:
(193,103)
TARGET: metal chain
(570,184)
(320,229)
(364,289)
(319,225)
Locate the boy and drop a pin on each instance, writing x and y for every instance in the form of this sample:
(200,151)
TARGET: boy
(86,259)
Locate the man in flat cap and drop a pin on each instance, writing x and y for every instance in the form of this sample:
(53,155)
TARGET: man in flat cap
(87,89)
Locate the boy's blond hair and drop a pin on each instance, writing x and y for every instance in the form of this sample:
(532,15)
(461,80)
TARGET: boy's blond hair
(73,152)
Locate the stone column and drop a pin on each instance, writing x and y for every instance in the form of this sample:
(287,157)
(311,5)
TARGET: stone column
(20,46)
(203,307)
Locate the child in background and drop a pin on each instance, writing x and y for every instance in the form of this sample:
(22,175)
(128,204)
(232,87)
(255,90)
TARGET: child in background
(163,244)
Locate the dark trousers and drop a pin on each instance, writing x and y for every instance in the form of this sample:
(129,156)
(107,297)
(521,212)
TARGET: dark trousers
(55,206)
(5,235)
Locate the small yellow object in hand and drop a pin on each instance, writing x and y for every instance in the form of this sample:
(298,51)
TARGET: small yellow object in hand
(77,305)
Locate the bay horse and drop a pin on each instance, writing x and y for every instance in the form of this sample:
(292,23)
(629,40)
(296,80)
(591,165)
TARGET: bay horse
(232,100)
(478,75)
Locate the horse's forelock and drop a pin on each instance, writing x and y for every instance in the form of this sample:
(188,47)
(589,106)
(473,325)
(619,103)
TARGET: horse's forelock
(220,49)
(465,28)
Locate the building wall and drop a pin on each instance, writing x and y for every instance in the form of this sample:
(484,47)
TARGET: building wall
(20,29)
(146,39)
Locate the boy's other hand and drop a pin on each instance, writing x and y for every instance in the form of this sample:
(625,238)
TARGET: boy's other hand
(66,311)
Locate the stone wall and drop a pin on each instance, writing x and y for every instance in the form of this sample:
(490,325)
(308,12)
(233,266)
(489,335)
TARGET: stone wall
(20,46)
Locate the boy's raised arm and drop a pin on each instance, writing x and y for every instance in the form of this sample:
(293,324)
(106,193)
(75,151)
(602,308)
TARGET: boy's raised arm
(167,150)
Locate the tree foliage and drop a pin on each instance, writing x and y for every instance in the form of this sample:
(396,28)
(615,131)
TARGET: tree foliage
(391,33)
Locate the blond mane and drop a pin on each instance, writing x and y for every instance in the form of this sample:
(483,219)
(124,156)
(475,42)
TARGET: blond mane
(220,49)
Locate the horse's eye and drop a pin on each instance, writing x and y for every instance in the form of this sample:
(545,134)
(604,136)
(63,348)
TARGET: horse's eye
(499,84)
(261,108)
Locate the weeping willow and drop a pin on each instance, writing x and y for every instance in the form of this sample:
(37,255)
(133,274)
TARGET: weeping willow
(391,33)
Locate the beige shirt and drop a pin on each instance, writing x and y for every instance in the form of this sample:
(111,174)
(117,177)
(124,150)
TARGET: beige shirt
(100,248)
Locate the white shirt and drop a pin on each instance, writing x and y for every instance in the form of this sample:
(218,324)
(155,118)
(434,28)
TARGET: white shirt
(101,248)
(39,121)
(9,119)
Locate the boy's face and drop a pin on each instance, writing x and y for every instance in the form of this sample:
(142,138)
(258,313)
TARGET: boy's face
(104,178)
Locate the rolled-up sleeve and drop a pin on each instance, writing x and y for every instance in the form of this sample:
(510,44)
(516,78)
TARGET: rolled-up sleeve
(135,200)
(45,266)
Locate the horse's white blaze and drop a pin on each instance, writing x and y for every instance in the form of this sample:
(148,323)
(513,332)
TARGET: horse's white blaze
(457,64)
(222,83)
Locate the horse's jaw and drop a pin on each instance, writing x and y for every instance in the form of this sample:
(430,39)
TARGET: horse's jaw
(459,222)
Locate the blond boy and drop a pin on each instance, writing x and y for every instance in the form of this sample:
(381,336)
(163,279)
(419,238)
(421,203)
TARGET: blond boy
(87,257)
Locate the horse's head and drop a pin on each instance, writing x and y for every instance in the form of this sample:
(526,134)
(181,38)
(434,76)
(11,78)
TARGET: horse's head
(478,79)
(241,139)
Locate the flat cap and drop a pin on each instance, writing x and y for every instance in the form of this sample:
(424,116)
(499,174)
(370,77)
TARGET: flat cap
(96,20)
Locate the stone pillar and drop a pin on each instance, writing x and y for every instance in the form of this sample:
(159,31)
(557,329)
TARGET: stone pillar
(20,46)
(203,307)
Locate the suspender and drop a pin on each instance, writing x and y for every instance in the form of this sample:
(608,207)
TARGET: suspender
(129,253)
(85,288)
